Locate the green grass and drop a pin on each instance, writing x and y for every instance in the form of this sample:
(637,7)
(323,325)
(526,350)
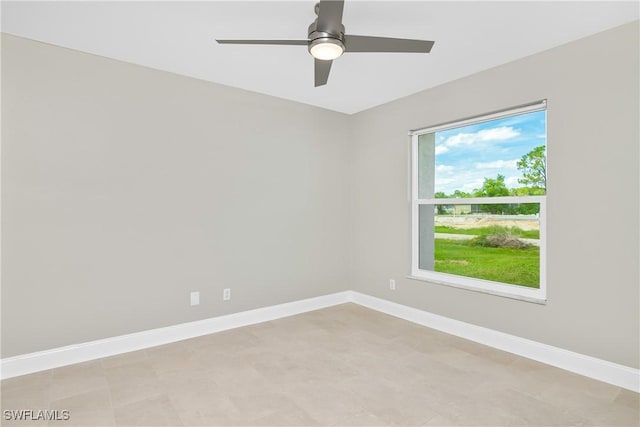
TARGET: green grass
(527,234)
(514,266)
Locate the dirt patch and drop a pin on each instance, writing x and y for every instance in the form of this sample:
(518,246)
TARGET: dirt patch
(454,261)
(472,221)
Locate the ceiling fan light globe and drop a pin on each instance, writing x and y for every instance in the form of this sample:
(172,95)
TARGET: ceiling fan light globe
(326,48)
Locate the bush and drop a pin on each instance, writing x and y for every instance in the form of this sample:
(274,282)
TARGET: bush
(500,237)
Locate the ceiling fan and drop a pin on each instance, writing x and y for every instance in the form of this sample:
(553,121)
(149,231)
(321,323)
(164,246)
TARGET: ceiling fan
(327,41)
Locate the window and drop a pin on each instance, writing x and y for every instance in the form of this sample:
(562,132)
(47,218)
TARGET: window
(478,203)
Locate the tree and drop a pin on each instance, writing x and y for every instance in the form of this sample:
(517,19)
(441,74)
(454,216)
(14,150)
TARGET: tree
(533,166)
(459,194)
(526,208)
(493,188)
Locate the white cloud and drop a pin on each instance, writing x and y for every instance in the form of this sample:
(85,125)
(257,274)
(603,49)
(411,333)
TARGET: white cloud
(472,185)
(461,139)
(445,169)
(495,134)
(444,181)
(512,181)
(498,164)
(441,149)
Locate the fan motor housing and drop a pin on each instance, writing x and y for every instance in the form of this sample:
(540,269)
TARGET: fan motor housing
(319,33)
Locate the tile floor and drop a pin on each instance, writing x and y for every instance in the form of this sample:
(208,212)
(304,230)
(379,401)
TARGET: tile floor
(344,365)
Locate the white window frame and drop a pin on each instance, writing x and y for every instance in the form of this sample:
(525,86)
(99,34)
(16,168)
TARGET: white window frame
(538,295)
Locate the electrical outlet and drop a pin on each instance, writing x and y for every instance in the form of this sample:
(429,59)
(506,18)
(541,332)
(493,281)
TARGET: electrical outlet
(195,298)
(392,284)
(226,294)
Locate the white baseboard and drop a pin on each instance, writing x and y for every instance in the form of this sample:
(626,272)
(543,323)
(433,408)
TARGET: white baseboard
(68,355)
(602,370)
(592,367)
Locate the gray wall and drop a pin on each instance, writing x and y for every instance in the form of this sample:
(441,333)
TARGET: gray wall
(592,91)
(125,188)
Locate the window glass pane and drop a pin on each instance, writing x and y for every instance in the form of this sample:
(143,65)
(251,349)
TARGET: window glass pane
(472,241)
(426,159)
(426,216)
(482,158)
(468,240)
(502,157)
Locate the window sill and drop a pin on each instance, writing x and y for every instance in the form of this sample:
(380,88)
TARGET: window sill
(484,291)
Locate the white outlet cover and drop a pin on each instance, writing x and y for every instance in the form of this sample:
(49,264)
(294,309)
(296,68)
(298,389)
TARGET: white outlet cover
(195,298)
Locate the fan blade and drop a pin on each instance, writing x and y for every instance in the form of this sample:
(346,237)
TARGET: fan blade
(385,44)
(274,42)
(330,16)
(322,69)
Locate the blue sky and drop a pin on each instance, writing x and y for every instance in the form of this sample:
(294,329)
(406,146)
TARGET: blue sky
(466,155)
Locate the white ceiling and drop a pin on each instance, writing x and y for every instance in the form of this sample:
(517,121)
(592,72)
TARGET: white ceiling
(178,37)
